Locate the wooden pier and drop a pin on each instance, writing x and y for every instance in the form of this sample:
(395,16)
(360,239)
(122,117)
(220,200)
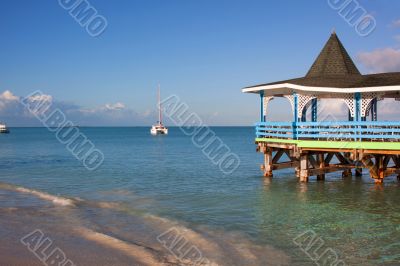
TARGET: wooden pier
(309,162)
(325,145)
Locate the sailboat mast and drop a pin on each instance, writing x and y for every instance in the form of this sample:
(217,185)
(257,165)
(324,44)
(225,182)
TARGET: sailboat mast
(159,105)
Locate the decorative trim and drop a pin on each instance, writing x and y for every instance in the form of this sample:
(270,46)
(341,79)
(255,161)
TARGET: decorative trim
(291,100)
(366,100)
(266,101)
(328,90)
(303,101)
(349,100)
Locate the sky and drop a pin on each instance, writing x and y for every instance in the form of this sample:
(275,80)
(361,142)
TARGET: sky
(204,52)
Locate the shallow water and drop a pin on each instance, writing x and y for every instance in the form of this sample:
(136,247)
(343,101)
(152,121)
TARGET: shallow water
(170,179)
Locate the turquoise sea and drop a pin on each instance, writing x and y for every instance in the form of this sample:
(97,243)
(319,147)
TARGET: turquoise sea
(145,178)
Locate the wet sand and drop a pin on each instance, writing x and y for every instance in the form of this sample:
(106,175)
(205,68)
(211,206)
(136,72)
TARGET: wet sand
(102,233)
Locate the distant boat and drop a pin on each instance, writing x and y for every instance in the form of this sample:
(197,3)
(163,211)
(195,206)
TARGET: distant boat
(4,128)
(159,128)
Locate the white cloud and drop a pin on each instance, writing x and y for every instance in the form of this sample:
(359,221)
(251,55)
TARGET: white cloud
(41,98)
(115,106)
(109,107)
(396,23)
(110,114)
(36,100)
(381,60)
(8,96)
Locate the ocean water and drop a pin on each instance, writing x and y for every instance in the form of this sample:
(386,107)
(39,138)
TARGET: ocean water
(149,184)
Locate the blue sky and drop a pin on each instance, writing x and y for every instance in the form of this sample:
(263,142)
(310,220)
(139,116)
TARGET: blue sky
(203,51)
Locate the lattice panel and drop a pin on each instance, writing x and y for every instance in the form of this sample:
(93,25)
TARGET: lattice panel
(303,101)
(291,100)
(366,101)
(266,101)
(348,99)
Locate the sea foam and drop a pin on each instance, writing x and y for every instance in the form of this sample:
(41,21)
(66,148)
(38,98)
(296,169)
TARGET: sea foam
(57,200)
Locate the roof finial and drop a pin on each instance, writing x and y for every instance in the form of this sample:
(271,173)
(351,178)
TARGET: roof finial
(333,31)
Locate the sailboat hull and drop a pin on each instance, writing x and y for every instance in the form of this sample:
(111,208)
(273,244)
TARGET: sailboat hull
(159,131)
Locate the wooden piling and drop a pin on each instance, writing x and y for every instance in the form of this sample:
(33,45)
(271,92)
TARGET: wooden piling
(347,173)
(359,172)
(297,172)
(304,160)
(321,162)
(268,160)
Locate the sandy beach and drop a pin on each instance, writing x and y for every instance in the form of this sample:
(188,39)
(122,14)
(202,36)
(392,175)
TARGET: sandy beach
(90,233)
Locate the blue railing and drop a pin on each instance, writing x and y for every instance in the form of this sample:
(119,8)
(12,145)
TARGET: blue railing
(332,131)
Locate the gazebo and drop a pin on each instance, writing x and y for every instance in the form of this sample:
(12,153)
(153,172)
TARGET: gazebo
(323,144)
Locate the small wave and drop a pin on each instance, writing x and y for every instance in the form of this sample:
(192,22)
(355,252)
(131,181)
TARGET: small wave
(189,234)
(108,205)
(61,201)
(137,252)
(223,248)
(57,200)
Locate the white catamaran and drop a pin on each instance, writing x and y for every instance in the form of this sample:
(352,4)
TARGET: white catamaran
(159,128)
(4,128)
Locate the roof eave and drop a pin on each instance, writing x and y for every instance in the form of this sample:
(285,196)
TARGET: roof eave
(276,89)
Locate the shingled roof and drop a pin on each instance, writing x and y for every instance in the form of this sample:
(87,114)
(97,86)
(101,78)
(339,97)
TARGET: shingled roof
(333,61)
(334,68)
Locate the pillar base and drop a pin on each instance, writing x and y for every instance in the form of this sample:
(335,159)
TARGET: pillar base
(297,171)
(320,177)
(304,176)
(268,174)
(304,179)
(378,181)
(359,172)
(347,174)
